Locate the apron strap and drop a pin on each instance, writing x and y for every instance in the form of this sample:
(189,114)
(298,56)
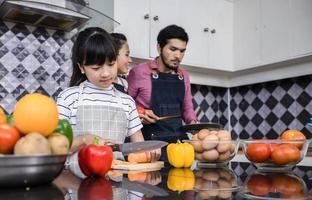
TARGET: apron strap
(155,73)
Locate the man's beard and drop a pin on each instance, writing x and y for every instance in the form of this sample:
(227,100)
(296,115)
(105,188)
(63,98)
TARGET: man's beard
(166,64)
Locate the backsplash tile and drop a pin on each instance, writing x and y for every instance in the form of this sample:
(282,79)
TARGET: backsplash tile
(38,60)
(32,60)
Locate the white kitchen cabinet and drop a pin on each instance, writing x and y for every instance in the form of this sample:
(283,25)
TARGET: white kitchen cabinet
(141,21)
(246,47)
(276,36)
(264,36)
(302,27)
(209,24)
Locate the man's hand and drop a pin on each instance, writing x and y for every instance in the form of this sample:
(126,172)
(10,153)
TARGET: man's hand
(148,117)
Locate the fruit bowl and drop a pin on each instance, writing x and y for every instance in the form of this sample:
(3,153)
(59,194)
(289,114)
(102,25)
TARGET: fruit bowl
(19,171)
(275,155)
(273,185)
(212,153)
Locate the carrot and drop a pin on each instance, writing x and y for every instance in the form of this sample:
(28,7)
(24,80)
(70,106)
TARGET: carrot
(137,176)
(143,157)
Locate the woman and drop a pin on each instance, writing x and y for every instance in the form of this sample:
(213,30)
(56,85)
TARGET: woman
(123,61)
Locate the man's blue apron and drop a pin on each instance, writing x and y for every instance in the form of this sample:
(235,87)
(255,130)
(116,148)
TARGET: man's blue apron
(167,97)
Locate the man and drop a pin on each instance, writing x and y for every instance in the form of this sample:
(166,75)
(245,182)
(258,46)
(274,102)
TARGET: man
(163,88)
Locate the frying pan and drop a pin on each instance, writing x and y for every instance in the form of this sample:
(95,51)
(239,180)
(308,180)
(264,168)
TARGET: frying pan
(193,128)
(19,171)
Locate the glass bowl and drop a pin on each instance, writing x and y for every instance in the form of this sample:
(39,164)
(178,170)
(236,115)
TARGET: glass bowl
(212,153)
(276,154)
(218,182)
(273,185)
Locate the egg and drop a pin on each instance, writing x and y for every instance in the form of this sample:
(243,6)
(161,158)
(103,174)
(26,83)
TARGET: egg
(210,142)
(202,134)
(223,145)
(225,194)
(224,156)
(210,155)
(224,134)
(198,147)
(211,175)
(224,184)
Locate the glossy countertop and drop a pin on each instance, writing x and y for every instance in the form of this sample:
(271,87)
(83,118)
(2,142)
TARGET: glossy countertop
(237,180)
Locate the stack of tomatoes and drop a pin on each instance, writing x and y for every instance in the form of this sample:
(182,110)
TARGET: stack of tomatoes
(279,153)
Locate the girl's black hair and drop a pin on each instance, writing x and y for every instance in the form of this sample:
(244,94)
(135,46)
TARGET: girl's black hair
(92,47)
(119,39)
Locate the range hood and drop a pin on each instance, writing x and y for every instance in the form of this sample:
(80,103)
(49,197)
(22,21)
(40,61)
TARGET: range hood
(53,14)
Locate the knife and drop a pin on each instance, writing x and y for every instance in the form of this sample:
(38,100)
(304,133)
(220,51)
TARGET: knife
(136,147)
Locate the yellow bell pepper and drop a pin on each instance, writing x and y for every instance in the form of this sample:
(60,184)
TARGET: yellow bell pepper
(180,154)
(180,179)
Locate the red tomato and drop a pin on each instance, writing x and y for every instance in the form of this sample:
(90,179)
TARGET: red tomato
(8,137)
(285,153)
(273,147)
(286,184)
(259,184)
(258,152)
(141,110)
(294,135)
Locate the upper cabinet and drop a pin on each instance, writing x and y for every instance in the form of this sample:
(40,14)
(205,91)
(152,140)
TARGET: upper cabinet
(224,35)
(302,26)
(141,21)
(264,36)
(208,23)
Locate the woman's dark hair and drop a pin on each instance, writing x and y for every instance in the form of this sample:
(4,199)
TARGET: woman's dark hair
(119,39)
(92,47)
(171,32)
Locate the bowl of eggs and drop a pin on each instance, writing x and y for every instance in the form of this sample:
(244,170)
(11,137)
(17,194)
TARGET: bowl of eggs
(213,147)
(215,182)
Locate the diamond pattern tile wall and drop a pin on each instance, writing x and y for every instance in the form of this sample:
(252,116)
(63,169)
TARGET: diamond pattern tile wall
(32,60)
(211,104)
(268,109)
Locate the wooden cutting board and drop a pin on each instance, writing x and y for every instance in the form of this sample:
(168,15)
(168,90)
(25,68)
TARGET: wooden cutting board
(123,165)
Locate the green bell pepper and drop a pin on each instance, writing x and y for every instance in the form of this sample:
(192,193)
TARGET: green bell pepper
(64,128)
(10,119)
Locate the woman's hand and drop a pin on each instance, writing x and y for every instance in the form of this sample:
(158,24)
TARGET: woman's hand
(148,117)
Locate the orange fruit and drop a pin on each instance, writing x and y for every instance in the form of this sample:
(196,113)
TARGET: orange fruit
(3,117)
(36,113)
(294,135)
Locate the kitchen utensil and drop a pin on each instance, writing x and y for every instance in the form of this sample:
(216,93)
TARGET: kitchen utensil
(138,166)
(135,147)
(29,170)
(169,117)
(197,127)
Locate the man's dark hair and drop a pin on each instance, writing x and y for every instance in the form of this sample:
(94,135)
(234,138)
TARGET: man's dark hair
(171,32)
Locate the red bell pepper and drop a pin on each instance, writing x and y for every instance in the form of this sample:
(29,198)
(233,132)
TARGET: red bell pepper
(95,159)
(95,188)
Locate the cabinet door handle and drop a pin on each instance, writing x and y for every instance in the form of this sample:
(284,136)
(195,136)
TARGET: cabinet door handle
(156,18)
(146,16)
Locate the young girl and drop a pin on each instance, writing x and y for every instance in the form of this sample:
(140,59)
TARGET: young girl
(123,61)
(91,103)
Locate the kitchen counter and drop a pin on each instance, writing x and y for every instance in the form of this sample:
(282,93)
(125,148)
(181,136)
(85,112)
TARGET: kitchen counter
(228,182)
